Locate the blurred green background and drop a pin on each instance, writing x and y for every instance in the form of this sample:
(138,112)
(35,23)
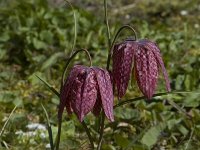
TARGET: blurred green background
(36,38)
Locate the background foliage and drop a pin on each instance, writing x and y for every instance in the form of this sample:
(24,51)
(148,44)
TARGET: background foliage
(36,38)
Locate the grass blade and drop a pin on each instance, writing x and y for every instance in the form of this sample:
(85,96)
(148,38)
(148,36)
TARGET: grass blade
(49,128)
(49,86)
(172,103)
(6,123)
(123,102)
(75,26)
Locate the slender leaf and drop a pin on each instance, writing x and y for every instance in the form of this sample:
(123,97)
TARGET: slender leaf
(49,86)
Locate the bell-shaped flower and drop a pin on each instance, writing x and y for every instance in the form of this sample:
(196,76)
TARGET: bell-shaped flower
(87,89)
(147,60)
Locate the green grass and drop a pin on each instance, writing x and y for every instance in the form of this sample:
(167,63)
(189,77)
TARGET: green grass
(36,39)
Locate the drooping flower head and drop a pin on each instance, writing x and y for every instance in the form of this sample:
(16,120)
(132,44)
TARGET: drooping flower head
(147,60)
(87,89)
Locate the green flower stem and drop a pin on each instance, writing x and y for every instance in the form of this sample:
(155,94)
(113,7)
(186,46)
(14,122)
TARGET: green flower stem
(107,25)
(70,59)
(120,30)
(57,143)
(88,134)
(75,26)
(116,36)
(101,131)
(124,102)
(107,67)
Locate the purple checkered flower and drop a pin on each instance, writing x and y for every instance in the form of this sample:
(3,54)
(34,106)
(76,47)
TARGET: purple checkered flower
(87,89)
(147,60)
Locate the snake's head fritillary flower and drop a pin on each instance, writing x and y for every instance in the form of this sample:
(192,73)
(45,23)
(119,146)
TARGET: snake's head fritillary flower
(147,60)
(87,89)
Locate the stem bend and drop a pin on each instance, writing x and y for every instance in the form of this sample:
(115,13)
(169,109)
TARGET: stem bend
(70,59)
(116,36)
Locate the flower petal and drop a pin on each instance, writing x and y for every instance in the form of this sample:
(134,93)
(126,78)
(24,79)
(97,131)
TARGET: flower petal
(89,94)
(97,107)
(76,93)
(146,70)
(106,92)
(154,47)
(122,62)
(64,92)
